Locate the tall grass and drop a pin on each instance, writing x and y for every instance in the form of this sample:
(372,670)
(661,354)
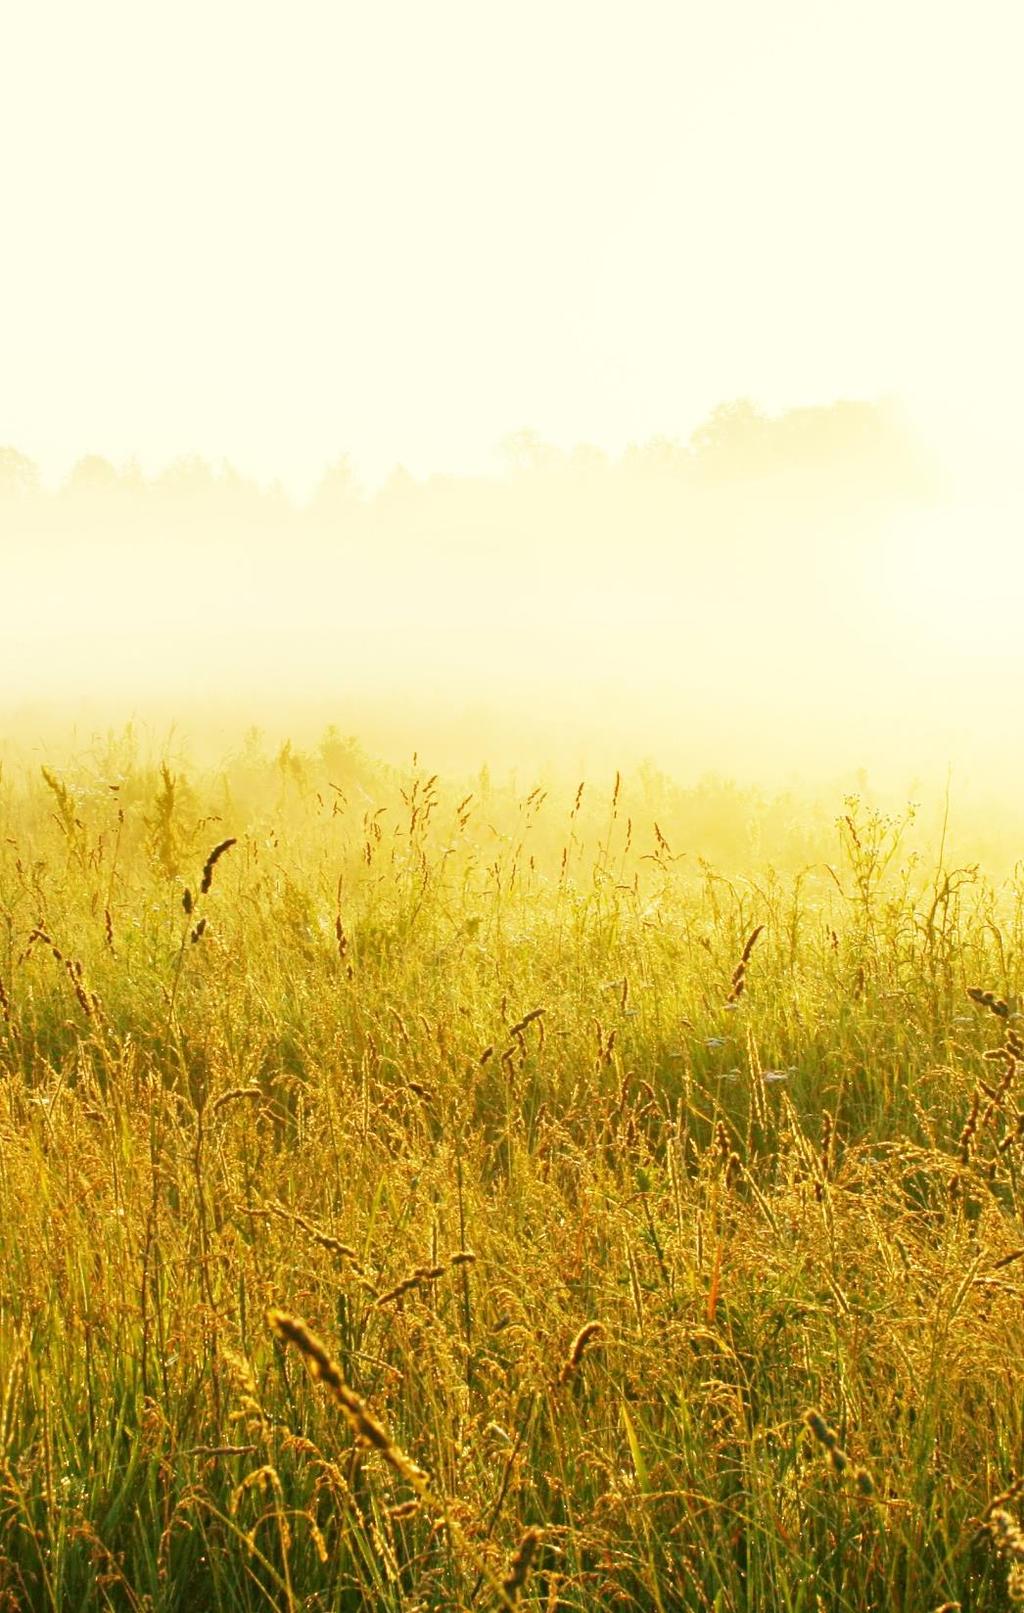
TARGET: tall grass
(648,1221)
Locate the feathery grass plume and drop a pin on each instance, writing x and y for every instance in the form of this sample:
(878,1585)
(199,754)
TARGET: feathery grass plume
(988,999)
(366,1428)
(738,984)
(820,1429)
(187,902)
(587,1335)
(243,1383)
(5,1001)
(520,1564)
(67,815)
(212,860)
(425,1274)
(730,1161)
(1005,1053)
(422,1274)
(87,1000)
(234,1094)
(998,1094)
(1013,1492)
(1014,1135)
(646,1091)
(527,1019)
(828,1437)
(326,1240)
(36,935)
(1010,1054)
(605,1046)
(163,835)
(998,1265)
(840,1461)
(966,1139)
(293,1330)
(1008,1539)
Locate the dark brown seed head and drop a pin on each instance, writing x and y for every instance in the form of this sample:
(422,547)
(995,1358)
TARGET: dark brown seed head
(819,1428)
(520,1564)
(212,860)
(580,1344)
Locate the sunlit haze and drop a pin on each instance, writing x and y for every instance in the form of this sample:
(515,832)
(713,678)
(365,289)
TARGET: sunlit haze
(536,380)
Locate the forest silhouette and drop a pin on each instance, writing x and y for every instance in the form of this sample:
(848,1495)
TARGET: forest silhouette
(673,597)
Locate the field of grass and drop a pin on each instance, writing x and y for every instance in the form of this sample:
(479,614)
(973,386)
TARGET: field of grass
(417,1197)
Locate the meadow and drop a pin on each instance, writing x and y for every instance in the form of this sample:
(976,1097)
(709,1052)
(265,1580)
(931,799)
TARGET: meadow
(418,1195)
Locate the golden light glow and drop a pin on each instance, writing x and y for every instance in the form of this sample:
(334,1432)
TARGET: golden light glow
(271,236)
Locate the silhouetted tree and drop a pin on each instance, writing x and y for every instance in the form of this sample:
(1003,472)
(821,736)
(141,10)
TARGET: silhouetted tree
(91,475)
(527,452)
(19,475)
(735,440)
(338,489)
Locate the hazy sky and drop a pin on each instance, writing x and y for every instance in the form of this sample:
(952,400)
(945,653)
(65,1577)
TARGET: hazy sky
(279,232)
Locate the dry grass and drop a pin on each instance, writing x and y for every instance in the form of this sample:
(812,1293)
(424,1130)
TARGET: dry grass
(442,1077)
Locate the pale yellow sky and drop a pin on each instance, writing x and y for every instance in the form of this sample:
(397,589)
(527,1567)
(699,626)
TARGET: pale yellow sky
(279,232)
(274,234)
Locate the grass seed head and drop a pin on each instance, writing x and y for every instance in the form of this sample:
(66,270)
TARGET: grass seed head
(738,983)
(292,1330)
(820,1429)
(967,1136)
(580,1344)
(988,999)
(211,862)
(521,1563)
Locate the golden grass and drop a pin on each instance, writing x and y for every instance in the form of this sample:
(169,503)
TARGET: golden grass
(569,1244)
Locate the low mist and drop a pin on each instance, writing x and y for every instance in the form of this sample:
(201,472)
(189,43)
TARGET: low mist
(777,598)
